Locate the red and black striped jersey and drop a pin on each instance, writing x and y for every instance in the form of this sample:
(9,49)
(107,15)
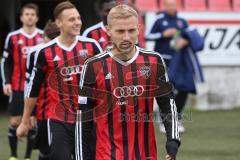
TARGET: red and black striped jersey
(121,94)
(42,109)
(60,67)
(17,46)
(99,33)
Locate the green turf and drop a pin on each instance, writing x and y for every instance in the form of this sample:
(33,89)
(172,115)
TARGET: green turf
(210,135)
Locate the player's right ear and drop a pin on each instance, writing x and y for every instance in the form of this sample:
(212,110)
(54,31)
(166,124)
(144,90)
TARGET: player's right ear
(108,30)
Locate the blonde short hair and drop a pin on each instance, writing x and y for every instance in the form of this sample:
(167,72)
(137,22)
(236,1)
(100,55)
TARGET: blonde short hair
(121,12)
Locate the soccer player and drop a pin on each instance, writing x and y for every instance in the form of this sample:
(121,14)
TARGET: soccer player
(17,46)
(130,77)
(51,31)
(99,32)
(59,63)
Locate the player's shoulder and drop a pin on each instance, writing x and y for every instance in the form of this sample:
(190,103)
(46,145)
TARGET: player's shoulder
(149,53)
(179,17)
(98,57)
(35,48)
(13,33)
(92,28)
(40,31)
(160,16)
(44,46)
(146,51)
(89,40)
(86,39)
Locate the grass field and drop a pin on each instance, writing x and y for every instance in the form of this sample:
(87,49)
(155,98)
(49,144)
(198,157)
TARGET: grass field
(210,135)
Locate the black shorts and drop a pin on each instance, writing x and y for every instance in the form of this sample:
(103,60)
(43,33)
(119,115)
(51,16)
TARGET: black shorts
(41,140)
(62,141)
(16,103)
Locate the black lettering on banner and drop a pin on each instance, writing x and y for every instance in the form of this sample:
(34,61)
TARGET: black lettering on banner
(223,31)
(237,34)
(206,33)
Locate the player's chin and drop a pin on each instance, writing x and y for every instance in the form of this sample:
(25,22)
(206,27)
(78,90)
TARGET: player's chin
(30,24)
(75,33)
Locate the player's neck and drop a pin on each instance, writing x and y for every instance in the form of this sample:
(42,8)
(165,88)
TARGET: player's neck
(124,55)
(67,40)
(29,30)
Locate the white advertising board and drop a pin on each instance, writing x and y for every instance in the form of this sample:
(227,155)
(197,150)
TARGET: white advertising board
(221,32)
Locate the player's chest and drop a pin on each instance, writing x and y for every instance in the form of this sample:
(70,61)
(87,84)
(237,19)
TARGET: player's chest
(66,65)
(22,46)
(113,76)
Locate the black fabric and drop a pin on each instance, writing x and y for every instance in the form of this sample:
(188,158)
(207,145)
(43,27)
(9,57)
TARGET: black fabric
(62,146)
(12,138)
(30,142)
(181,99)
(172,148)
(62,142)
(41,140)
(16,103)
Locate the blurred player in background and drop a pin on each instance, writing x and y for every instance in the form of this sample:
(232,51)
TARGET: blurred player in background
(131,77)
(59,64)
(177,43)
(99,32)
(17,46)
(51,31)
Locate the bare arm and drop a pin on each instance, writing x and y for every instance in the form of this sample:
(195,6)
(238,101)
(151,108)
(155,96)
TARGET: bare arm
(29,104)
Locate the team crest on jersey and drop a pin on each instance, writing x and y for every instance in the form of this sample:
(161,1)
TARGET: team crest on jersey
(84,53)
(26,50)
(20,41)
(145,71)
(180,24)
(165,23)
(40,40)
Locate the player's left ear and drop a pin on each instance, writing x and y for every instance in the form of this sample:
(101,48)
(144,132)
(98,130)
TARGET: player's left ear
(37,18)
(58,23)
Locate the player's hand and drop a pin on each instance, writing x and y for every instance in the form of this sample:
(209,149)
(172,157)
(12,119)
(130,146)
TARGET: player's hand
(22,130)
(168,157)
(7,89)
(181,42)
(33,122)
(169,32)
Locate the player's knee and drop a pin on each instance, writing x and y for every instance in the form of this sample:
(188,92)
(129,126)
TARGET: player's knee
(12,130)
(15,121)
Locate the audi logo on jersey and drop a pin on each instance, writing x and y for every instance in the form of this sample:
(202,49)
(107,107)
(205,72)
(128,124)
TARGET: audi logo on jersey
(71,70)
(26,50)
(128,91)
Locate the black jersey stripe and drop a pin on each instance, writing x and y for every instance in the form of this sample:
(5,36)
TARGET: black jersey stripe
(146,123)
(69,84)
(135,102)
(59,84)
(110,114)
(20,61)
(123,112)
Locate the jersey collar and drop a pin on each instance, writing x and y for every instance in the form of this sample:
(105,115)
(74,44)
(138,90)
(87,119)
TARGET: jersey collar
(103,27)
(125,63)
(29,35)
(70,48)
